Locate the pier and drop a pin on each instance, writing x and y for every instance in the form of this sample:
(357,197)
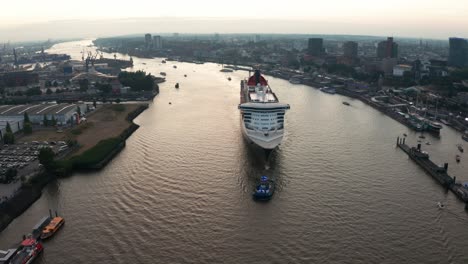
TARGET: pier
(439,173)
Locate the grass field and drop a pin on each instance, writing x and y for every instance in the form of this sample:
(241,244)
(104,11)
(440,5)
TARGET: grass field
(108,121)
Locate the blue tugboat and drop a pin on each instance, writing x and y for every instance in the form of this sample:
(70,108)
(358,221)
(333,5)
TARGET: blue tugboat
(264,190)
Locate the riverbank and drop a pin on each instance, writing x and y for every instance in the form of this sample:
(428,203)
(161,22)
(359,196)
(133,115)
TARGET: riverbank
(93,155)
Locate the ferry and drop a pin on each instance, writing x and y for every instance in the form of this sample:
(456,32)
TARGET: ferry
(226,70)
(296,79)
(328,90)
(52,227)
(262,113)
(433,126)
(27,252)
(264,190)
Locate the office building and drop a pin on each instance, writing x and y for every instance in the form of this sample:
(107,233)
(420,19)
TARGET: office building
(350,49)
(458,52)
(157,42)
(148,41)
(315,47)
(387,49)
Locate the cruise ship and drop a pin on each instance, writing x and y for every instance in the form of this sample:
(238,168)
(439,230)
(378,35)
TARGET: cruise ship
(262,114)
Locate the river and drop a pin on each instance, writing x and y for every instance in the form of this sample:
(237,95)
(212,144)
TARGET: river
(180,192)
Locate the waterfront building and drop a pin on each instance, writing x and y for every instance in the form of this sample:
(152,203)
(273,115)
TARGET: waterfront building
(458,52)
(157,42)
(16,124)
(17,79)
(350,49)
(399,70)
(387,66)
(315,47)
(148,41)
(387,49)
(63,113)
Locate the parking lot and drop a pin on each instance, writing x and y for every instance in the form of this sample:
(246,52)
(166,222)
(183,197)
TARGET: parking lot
(24,157)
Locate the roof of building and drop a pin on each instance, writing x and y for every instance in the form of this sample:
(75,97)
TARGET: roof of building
(36,109)
(92,75)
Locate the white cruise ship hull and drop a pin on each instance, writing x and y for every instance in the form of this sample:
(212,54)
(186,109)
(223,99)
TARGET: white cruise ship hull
(261,112)
(258,138)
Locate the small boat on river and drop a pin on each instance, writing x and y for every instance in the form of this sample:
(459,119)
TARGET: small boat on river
(177,85)
(55,224)
(264,190)
(440,205)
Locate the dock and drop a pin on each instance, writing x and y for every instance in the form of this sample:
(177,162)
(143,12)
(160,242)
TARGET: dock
(439,173)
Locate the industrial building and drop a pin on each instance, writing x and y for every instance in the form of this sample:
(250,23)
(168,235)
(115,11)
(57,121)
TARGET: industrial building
(63,113)
(16,124)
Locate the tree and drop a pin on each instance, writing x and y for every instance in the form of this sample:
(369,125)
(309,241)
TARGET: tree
(138,81)
(84,85)
(46,157)
(53,121)
(27,128)
(104,87)
(8,138)
(26,118)
(10,174)
(94,104)
(117,100)
(33,91)
(49,91)
(45,121)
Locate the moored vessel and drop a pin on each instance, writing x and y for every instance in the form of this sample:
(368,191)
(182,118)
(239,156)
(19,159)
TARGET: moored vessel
(465,137)
(262,113)
(52,227)
(27,252)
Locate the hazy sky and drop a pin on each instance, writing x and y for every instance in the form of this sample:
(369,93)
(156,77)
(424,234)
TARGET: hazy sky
(24,19)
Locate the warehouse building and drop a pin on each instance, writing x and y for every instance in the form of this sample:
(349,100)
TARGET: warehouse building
(63,113)
(16,124)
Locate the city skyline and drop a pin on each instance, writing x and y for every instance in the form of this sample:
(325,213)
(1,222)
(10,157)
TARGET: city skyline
(419,19)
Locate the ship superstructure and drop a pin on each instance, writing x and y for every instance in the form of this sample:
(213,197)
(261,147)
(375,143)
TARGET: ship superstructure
(262,113)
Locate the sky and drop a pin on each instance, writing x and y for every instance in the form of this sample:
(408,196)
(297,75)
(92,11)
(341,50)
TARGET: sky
(32,19)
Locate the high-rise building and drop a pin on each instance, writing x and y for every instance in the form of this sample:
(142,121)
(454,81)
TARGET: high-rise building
(148,41)
(350,49)
(458,52)
(157,42)
(387,49)
(315,47)
(257,38)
